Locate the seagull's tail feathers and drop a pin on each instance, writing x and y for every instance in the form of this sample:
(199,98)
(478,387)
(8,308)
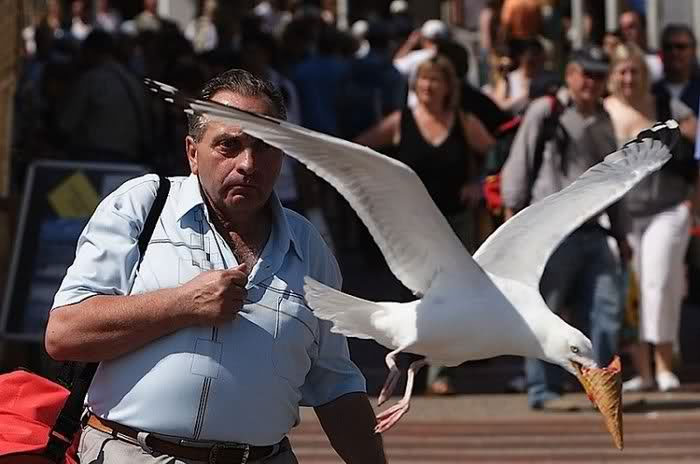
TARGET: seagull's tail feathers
(352,316)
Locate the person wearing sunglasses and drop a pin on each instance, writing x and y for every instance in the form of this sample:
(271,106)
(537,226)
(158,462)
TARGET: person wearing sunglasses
(681,79)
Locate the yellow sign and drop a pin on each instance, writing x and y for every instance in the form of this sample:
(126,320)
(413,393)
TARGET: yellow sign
(75,197)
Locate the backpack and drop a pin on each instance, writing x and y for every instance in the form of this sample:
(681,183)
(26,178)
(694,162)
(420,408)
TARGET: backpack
(39,418)
(498,154)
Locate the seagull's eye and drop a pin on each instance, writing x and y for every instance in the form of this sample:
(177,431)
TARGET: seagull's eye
(574,349)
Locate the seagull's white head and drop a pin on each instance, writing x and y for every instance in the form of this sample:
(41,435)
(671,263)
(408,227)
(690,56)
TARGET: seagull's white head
(570,349)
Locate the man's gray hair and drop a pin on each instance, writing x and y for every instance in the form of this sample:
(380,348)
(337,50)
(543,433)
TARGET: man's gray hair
(240,82)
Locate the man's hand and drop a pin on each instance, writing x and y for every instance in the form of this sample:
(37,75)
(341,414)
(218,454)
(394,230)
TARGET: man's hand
(215,297)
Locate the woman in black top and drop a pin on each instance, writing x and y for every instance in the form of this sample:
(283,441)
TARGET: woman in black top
(438,141)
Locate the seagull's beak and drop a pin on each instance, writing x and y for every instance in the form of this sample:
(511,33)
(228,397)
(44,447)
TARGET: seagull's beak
(604,388)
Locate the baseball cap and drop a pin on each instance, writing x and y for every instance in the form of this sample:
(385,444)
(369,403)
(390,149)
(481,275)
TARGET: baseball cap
(591,59)
(435,29)
(398,7)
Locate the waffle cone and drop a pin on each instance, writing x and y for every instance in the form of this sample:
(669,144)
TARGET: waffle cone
(604,388)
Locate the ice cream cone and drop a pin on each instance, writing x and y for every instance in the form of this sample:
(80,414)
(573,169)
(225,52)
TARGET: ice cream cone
(604,388)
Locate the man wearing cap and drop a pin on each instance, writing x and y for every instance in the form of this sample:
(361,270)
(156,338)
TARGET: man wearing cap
(583,275)
(406,59)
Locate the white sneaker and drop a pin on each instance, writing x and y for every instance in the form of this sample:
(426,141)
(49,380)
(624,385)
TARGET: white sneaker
(637,384)
(667,381)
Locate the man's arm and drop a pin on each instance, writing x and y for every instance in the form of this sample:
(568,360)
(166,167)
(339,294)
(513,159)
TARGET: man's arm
(349,423)
(94,316)
(105,327)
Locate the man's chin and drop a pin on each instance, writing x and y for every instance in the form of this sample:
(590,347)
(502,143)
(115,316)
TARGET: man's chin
(245,200)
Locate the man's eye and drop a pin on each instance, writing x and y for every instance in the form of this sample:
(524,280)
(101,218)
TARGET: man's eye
(229,144)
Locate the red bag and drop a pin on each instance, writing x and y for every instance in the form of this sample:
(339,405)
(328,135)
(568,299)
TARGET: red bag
(29,407)
(40,419)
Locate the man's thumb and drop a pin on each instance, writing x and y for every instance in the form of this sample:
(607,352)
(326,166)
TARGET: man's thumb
(243,267)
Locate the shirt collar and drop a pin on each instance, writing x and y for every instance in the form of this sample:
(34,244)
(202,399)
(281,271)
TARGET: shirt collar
(284,232)
(191,197)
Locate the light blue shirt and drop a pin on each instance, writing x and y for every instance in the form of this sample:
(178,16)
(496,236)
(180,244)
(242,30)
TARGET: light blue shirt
(241,381)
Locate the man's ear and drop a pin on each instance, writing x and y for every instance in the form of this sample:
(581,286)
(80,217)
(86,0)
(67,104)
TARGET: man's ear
(191,151)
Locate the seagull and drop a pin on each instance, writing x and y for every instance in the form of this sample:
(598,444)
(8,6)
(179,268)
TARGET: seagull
(467,308)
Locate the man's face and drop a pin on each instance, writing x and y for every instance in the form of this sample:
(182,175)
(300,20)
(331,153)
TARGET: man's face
(236,171)
(610,43)
(679,53)
(586,87)
(631,27)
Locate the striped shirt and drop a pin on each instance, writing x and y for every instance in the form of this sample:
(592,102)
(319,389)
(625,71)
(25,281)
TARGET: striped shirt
(241,381)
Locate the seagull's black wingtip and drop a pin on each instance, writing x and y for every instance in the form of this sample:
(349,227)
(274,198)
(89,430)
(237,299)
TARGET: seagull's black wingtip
(667,133)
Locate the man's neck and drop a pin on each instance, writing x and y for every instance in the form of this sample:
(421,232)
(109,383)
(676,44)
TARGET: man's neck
(248,226)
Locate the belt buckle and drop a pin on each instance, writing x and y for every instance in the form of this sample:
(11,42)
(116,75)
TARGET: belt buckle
(214,451)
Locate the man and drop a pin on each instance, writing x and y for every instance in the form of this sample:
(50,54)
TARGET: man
(407,60)
(106,116)
(372,88)
(583,271)
(680,79)
(209,344)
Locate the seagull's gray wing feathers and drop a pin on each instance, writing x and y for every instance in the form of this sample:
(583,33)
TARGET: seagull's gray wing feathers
(414,237)
(520,248)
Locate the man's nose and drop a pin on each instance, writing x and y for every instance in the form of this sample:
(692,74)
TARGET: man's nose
(247,160)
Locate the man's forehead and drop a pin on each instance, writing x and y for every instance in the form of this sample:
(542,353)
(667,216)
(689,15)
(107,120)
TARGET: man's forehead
(256,104)
(225,97)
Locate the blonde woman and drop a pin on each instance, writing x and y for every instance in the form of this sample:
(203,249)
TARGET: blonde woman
(660,213)
(435,138)
(438,141)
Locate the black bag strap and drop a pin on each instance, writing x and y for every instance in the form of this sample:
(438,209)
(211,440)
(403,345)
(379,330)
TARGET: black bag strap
(68,421)
(551,128)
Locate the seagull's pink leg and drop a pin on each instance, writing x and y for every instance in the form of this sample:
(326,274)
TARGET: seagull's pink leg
(386,419)
(392,379)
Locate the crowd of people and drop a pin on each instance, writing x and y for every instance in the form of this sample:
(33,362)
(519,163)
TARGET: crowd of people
(401,87)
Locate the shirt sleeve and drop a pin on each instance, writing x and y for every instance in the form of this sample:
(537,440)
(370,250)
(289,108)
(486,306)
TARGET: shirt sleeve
(107,250)
(332,374)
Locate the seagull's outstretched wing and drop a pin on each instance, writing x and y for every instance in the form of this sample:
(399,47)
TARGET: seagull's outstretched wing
(520,248)
(415,238)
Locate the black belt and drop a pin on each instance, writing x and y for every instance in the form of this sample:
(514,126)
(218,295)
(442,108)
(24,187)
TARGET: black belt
(216,452)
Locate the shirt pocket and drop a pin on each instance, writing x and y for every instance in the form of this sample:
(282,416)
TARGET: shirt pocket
(189,268)
(295,340)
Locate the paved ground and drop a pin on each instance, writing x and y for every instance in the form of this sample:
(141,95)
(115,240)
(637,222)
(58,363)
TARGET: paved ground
(659,428)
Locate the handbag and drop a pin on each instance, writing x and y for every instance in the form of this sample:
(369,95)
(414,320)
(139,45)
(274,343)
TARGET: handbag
(40,418)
